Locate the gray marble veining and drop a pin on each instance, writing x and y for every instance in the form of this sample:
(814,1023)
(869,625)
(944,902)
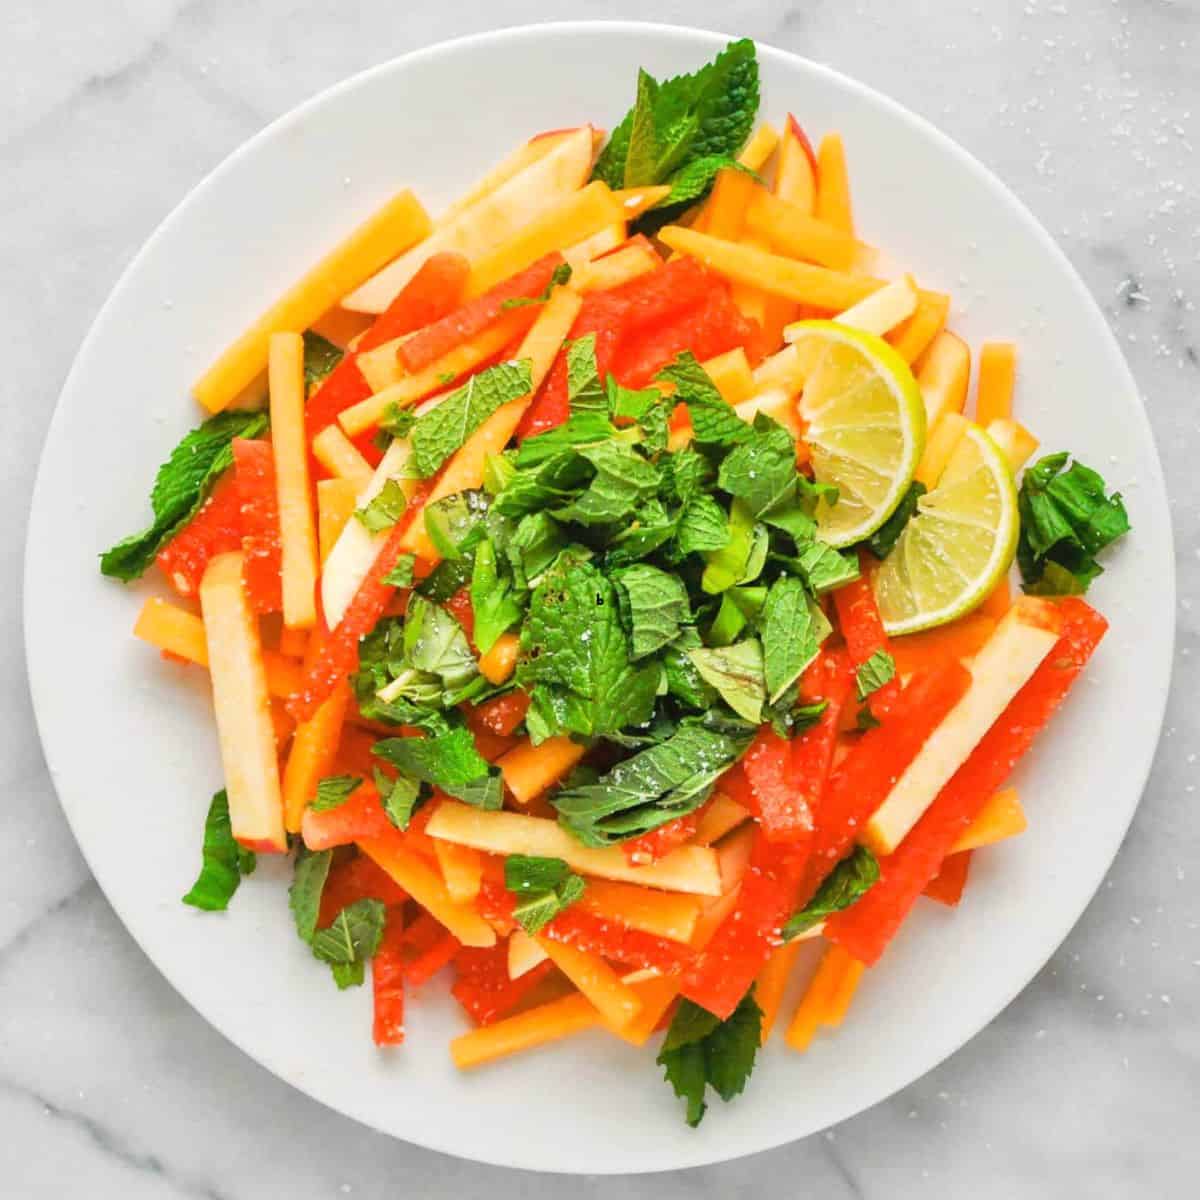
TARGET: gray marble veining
(1088,1085)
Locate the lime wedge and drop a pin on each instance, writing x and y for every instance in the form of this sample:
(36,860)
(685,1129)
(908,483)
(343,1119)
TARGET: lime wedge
(958,545)
(866,426)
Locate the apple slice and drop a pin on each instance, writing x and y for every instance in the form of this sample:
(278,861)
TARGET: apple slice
(796,172)
(528,195)
(1024,637)
(525,155)
(243,707)
(347,564)
(691,869)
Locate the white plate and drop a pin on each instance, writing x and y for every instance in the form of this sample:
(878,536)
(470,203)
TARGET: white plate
(130,741)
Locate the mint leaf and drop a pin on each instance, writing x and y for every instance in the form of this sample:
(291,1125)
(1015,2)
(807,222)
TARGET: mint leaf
(181,486)
(691,182)
(1066,520)
(883,541)
(442,430)
(534,547)
(436,644)
(492,598)
(546,887)
(685,474)
(320,358)
(714,423)
(585,392)
(871,675)
(641,159)
(308,882)
(397,421)
(350,940)
(737,673)
(866,719)
(224,862)
(333,791)
(761,469)
(793,628)
(684,681)
(455,523)
(703,526)
(577,656)
(742,557)
(400,797)
(822,567)
(657,605)
(622,482)
(448,761)
(402,573)
(651,527)
(385,509)
(852,877)
(559,276)
(667,780)
(700,1050)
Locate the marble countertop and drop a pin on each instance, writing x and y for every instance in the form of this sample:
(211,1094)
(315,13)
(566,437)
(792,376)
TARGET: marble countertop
(1088,1085)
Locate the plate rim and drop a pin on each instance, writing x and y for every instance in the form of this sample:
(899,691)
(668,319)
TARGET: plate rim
(710,1151)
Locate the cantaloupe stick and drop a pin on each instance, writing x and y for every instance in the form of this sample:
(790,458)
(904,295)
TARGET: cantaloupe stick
(721,816)
(181,633)
(997,375)
(573,219)
(462,870)
(399,224)
(637,200)
(759,148)
(529,770)
(1014,439)
(293,643)
(489,222)
(1001,817)
(314,747)
(814,1004)
(796,170)
(282,724)
(293,491)
(772,313)
(963,638)
(336,502)
(615,269)
(665,914)
(341,457)
(242,706)
(833,184)
(728,204)
(941,443)
(424,885)
(601,242)
(464,471)
(804,283)
(731,375)
(534,1027)
(777,404)
(772,982)
(943,375)
(523,953)
(444,373)
(879,312)
(691,869)
(1002,667)
(912,338)
(499,662)
(595,979)
(656,995)
(381,366)
(784,370)
(512,164)
(849,977)
(341,326)
(797,234)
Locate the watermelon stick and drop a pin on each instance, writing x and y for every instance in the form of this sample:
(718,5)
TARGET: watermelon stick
(866,928)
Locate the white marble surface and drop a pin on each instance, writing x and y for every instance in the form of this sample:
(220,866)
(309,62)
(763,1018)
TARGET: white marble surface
(1088,1085)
